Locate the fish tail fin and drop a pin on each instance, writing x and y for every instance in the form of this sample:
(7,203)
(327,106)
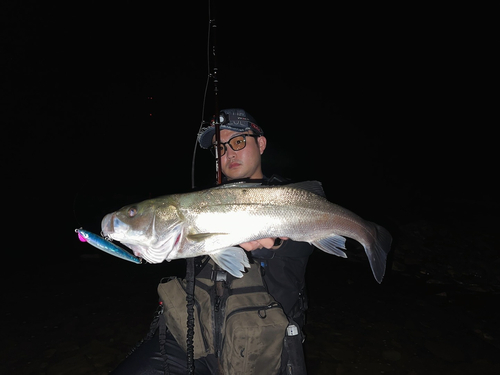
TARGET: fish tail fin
(377,251)
(331,245)
(231,259)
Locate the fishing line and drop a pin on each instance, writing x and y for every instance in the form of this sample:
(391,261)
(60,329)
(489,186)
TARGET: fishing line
(209,75)
(74,209)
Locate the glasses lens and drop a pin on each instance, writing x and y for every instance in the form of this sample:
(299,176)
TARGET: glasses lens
(238,143)
(222,150)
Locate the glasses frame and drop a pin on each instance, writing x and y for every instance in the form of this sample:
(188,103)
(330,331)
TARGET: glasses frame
(224,147)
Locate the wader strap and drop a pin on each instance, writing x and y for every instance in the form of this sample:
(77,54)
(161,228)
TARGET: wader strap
(159,324)
(162,334)
(190,280)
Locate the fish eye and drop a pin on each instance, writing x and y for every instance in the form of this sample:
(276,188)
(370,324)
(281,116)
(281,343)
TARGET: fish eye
(132,211)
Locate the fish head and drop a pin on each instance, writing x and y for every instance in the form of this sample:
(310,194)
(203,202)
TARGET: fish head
(151,229)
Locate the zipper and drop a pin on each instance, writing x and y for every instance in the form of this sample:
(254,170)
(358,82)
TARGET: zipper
(217,303)
(263,308)
(218,316)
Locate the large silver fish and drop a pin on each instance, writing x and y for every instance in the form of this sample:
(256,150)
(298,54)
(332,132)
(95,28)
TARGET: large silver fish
(212,222)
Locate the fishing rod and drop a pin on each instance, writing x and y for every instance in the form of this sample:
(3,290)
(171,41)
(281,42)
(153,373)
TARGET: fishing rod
(215,81)
(212,71)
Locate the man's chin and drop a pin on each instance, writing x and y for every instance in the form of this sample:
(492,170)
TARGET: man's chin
(235,173)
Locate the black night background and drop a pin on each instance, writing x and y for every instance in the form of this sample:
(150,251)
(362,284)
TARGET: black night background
(390,107)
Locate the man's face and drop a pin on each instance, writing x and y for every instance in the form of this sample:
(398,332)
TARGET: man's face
(244,163)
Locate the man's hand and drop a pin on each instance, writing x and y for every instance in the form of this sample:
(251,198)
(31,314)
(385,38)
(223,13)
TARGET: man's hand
(268,243)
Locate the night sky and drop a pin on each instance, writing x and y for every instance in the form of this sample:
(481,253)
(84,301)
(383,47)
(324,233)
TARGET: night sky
(389,108)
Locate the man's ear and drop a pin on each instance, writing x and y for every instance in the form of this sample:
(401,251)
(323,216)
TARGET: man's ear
(262,144)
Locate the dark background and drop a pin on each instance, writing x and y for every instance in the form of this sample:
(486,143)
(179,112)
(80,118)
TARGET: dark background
(386,106)
(390,107)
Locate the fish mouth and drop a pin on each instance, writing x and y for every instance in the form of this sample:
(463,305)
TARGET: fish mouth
(147,246)
(111,227)
(115,229)
(107,226)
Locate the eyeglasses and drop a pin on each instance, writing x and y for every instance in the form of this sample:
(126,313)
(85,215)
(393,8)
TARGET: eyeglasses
(237,143)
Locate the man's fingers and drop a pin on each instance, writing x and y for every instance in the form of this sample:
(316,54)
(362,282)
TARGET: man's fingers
(258,244)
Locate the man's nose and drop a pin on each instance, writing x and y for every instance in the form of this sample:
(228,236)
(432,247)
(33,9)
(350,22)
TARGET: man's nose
(230,153)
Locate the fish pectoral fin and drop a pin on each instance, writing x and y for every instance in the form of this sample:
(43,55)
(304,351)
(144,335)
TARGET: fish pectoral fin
(331,245)
(231,259)
(200,237)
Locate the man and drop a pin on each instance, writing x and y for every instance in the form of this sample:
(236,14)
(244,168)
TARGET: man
(282,261)
(244,162)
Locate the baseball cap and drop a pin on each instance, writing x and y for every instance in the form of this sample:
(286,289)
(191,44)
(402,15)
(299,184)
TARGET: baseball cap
(235,119)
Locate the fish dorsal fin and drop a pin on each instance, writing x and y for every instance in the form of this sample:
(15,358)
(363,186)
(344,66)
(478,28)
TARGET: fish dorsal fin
(311,186)
(240,184)
(314,187)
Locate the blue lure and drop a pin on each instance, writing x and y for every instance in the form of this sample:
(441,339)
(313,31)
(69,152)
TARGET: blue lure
(106,246)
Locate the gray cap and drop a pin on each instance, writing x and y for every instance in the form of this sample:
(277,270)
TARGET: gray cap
(235,119)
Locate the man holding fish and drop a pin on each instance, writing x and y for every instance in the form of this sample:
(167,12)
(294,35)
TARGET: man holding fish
(282,223)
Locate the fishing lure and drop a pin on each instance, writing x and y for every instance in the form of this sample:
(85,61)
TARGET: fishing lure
(106,246)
